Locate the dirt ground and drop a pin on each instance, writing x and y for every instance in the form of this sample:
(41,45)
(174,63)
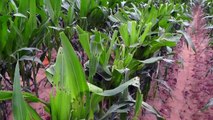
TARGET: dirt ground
(191,88)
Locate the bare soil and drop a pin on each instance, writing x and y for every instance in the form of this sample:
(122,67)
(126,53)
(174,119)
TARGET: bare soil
(192,88)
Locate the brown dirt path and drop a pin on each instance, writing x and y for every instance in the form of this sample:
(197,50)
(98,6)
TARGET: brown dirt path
(191,88)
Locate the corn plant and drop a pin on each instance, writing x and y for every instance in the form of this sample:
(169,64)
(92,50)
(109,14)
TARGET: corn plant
(19,29)
(74,90)
(24,28)
(21,109)
(139,30)
(135,35)
(123,41)
(70,96)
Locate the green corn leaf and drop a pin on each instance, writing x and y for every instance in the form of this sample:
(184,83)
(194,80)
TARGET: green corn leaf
(59,70)
(50,72)
(50,9)
(84,7)
(152,110)
(94,88)
(13,6)
(84,40)
(152,60)
(113,19)
(188,40)
(17,31)
(33,114)
(75,75)
(19,15)
(123,29)
(163,82)
(56,4)
(2,5)
(153,14)
(94,105)
(23,6)
(31,58)
(56,28)
(132,31)
(54,106)
(96,51)
(139,99)
(79,30)
(108,53)
(21,110)
(18,103)
(93,65)
(29,49)
(134,81)
(118,17)
(71,14)
(114,108)
(62,103)
(74,80)
(3,34)
(128,59)
(31,23)
(171,37)
(146,31)
(7,95)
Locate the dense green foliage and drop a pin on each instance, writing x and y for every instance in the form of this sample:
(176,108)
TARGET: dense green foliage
(209,17)
(124,41)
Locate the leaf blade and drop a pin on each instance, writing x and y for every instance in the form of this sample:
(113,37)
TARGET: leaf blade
(18,105)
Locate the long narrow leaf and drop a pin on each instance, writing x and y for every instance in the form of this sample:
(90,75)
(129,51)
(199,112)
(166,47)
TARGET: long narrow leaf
(139,99)
(18,104)
(121,88)
(84,40)
(146,31)
(7,95)
(188,40)
(75,75)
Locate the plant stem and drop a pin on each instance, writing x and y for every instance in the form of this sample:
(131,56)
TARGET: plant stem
(34,79)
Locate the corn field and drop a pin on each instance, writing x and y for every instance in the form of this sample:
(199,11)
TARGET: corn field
(108,55)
